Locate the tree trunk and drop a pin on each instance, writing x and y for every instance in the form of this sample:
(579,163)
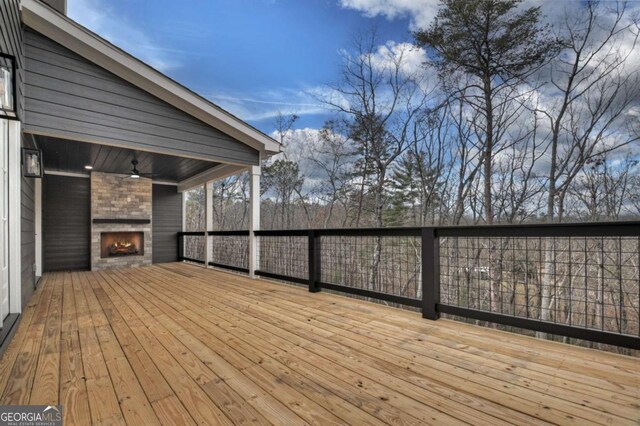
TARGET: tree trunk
(488,151)
(377,249)
(488,190)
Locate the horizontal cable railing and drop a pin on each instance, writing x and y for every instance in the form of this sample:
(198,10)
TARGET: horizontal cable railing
(575,280)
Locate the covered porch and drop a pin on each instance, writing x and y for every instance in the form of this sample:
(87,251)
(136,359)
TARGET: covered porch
(177,343)
(120,144)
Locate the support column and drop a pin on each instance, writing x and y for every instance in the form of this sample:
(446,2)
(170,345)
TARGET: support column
(15,242)
(254,219)
(184,211)
(38,224)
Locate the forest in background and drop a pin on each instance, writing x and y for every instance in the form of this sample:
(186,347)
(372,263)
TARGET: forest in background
(506,120)
(494,114)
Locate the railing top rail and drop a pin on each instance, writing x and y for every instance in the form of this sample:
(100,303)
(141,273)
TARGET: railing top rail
(589,229)
(283,232)
(342,232)
(586,229)
(241,233)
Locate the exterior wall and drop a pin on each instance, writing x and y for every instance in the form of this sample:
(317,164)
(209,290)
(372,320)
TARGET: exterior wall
(120,197)
(21,274)
(11,36)
(69,97)
(28,237)
(65,223)
(167,222)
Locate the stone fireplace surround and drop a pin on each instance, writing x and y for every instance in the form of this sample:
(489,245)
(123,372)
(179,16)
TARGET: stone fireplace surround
(120,204)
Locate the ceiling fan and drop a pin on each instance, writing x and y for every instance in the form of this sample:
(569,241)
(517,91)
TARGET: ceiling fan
(135,173)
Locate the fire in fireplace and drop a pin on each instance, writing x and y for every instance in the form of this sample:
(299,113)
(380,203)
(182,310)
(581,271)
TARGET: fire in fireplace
(114,244)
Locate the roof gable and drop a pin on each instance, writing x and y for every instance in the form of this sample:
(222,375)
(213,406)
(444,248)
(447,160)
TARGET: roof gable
(70,97)
(92,47)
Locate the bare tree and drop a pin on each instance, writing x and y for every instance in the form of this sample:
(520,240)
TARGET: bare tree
(333,156)
(519,188)
(604,188)
(381,101)
(461,181)
(500,47)
(230,202)
(593,90)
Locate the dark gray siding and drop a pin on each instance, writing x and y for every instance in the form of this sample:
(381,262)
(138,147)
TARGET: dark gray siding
(11,42)
(167,222)
(67,96)
(27,230)
(66,227)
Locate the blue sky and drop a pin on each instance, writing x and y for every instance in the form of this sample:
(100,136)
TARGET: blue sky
(252,57)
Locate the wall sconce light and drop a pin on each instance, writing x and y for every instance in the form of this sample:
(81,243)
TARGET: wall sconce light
(31,163)
(8,107)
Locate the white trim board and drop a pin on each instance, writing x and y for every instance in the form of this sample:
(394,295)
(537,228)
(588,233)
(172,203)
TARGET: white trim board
(15,223)
(89,45)
(164,182)
(218,172)
(69,174)
(38,226)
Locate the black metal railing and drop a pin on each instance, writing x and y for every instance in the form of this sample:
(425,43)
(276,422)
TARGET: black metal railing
(229,250)
(284,255)
(575,280)
(192,246)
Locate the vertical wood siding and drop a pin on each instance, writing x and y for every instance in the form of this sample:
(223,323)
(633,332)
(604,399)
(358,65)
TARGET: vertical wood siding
(70,97)
(167,222)
(66,226)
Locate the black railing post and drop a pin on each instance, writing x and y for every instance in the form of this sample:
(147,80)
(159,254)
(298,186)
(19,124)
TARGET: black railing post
(430,274)
(180,247)
(314,262)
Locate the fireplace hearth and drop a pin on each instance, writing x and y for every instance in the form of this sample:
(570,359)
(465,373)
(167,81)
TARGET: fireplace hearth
(119,244)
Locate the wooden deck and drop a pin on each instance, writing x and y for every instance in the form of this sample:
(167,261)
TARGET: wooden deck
(178,344)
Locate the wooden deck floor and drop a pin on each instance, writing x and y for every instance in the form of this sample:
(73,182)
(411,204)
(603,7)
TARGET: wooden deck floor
(177,344)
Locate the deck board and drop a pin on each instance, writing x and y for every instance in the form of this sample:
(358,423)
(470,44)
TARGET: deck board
(179,344)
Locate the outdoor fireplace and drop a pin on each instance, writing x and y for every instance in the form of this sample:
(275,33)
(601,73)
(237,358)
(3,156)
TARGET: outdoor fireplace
(121,218)
(118,244)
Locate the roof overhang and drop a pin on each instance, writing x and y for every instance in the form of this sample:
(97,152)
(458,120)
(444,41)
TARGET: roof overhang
(215,173)
(94,48)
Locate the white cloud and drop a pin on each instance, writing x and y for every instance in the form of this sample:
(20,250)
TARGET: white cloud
(410,57)
(421,12)
(99,17)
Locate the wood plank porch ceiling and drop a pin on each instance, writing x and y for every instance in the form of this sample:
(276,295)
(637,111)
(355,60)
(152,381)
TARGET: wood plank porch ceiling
(177,344)
(61,155)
